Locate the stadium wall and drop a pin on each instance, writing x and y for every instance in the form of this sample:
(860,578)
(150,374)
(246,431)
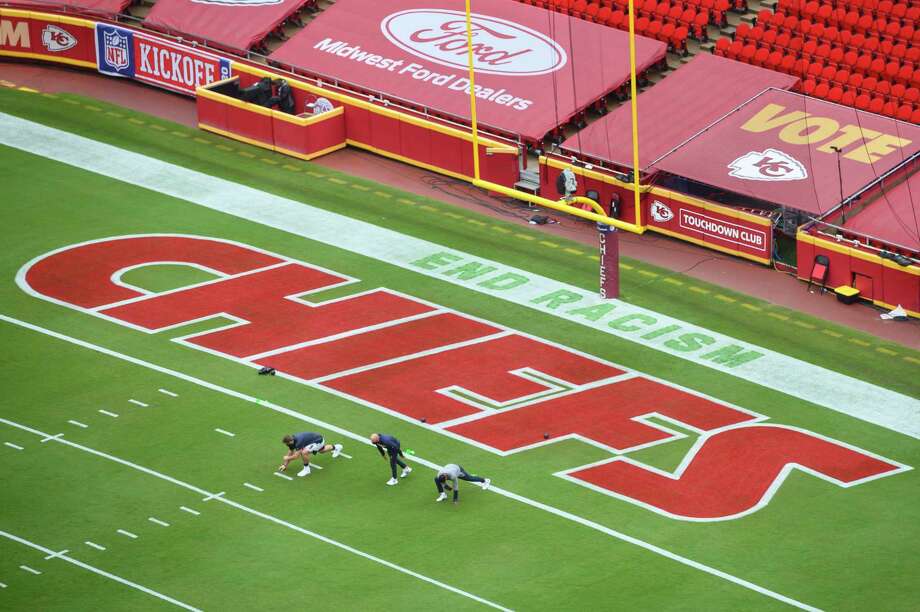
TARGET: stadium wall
(119,51)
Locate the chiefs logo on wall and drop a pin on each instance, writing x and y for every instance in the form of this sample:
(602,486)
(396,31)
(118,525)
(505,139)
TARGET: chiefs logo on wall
(768,165)
(661,212)
(57,39)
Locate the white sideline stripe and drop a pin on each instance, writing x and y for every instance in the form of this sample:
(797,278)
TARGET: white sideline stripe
(11,445)
(126,533)
(141,404)
(104,573)
(30,570)
(169,393)
(253,487)
(262,515)
(57,554)
(94,545)
(285,476)
(78,423)
(107,413)
(800,379)
(158,521)
(225,432)
(189,510)
(360,438)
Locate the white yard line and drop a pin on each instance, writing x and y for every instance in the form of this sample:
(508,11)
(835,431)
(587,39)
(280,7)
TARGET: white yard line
(57,554)
(360,438)
(220,497)
(94,545)
(78,423)
(100,572)
(11,445)
(158,521)
(169,393)
(645,327)
(107,413)
(226,433)
(189,510)
(126,533)
(138,403)
(253,487)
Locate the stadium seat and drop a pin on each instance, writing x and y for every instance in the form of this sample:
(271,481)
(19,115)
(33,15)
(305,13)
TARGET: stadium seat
(842,76)
(808,87)
(862,102)
(890,109)
(675,13)
(760,56)
(911,95)
(849,97)
(814,71)
(796,43)
(819,270)
(654,29)
(741,31)
(722,47)
(769,38)
(915,116)
(821,90)
(755,35)
(782,41)
(835,94)
(699,26)
(679,40)
(774,60)
(897,91)
(828,73)
(787,65)
(883,88)
(904,112)
(855,81)
(734,50)
(876,105)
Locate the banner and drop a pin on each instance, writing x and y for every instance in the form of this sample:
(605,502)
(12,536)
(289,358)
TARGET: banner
(56,39)
(136,55)
(719,227)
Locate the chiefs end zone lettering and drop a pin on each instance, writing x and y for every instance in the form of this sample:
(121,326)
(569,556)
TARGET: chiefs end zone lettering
(127,53)
(469,379)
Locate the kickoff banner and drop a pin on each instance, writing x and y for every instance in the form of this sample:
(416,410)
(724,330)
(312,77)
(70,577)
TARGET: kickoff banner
(136,55)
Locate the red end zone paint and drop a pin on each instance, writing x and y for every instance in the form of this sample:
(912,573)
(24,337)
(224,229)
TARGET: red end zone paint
(606,415)
(411,387)
(734,472)
(81,275)
(378,345)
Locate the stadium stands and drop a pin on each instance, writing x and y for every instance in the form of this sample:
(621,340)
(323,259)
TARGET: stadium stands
(861,53)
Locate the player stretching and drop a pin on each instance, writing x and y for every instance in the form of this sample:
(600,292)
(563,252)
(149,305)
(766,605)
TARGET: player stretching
(455,472)
(304,443)
(391,444)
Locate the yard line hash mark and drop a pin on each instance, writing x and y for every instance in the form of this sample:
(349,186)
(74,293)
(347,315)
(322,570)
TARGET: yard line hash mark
(107,413)
(78,423)
(54,437)
(189,510)
(98,571)
(141,404)
(11,445)
(126,533)
(94,545)
(253,487)
(157,521)
(30,570)
(169,393)
(225,432)
(285,476)
(213,496)
(57,554)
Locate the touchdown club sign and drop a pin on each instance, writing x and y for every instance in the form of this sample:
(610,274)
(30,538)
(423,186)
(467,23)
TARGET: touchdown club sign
(711,227)
(127,53)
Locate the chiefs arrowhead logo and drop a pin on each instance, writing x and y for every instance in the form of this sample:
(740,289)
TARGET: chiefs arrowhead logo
(768,165)
(660,212)
(57,39)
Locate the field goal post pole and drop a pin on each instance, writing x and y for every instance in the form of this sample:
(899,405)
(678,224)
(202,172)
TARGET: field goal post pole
(608,237)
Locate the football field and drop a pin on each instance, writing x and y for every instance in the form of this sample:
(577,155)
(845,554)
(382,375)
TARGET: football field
(676,450)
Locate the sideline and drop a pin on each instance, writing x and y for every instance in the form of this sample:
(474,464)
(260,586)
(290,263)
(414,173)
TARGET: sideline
(360,438)
(746,361)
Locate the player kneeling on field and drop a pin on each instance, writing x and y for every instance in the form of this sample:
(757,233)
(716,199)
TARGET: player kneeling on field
(455,473)
(301,445)
(393,449)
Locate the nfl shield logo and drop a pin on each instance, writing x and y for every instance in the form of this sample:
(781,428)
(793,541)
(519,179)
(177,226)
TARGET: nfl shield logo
(116,50)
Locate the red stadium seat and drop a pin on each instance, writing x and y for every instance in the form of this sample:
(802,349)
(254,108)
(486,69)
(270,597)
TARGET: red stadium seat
(835,94)
(662,10)
(899,10)
(863,63)
(897,91)
(654,29)
(865,23)
(814,71)
(747,53)
(722,46)
(808,49)
(877,67)
(782,40)
(862,102)
(741,30)
(883,88)
(788,64)
(699,26)
(764,16)
(869,84)
(876,105)
(890,109)
(849,97)
(855,81)
(755,34)
(912,54)
(905,74)
(760,56)
(857,42)
(774,60)
(796,43)
(912,95)
(734,51)
(603,15)
(821,90)
(836,56)
(904,112)
(817,31)
(892,28)
(828,73)
(808,87)
(891,70)
(791,24)
(871,44)
(675,13)
(822,52)
(679,40)
(769,38)
(689,14)
(824,13)
(617,19)
(842,76)
(884,7)
(831,34)
(915,116)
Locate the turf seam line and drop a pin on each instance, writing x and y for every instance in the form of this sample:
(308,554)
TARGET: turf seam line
(104,573)
(257,513)
(11,445)
(358,437)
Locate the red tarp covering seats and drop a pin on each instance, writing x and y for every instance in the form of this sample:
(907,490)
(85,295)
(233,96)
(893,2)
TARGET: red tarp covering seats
(674,109)
(108,7)
(894,217)
(233,24)
(778,148)
(535,69)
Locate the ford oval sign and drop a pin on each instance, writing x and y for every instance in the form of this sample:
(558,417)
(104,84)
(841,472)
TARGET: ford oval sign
(499,46)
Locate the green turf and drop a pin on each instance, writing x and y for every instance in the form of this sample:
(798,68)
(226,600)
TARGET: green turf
(826,546)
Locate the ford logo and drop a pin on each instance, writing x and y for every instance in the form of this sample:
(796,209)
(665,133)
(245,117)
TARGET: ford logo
(499,46)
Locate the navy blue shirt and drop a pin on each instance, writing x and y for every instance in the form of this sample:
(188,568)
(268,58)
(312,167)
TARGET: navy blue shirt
(303,439)
(388,442)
